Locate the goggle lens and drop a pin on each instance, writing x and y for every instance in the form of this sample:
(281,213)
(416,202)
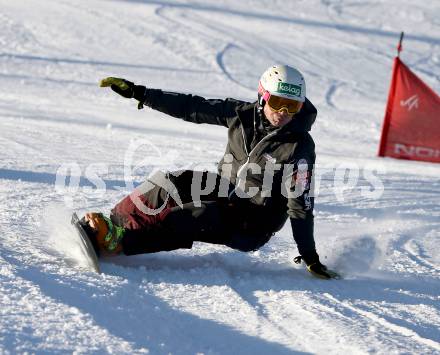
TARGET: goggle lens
(279,104)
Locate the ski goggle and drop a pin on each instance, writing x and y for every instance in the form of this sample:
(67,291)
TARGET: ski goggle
(279,104)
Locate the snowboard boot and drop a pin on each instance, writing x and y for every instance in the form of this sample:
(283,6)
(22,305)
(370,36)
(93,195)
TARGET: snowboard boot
(105,236)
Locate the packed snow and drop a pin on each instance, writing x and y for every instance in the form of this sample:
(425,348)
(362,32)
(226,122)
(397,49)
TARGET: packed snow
(65,144)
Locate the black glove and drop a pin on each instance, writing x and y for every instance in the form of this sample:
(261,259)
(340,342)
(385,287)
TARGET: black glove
(315,267)
(126,89)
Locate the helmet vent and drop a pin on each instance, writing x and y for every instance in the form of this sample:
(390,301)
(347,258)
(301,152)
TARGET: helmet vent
(276,72)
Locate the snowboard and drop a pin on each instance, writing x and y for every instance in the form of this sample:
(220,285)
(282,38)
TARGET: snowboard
(86,245)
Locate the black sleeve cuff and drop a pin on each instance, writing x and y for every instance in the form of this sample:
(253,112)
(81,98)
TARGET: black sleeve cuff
(311,257)
(140,93)
(302,231)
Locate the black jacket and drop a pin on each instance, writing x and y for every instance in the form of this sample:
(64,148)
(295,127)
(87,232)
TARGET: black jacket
(290,146)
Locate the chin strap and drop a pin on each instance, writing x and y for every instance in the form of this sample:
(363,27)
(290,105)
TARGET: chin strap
(261,102)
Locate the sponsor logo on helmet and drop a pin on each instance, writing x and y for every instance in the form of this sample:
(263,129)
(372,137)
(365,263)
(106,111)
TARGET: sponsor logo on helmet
(289,89)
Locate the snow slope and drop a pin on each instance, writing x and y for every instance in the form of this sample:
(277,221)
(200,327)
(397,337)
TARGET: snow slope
(213,300)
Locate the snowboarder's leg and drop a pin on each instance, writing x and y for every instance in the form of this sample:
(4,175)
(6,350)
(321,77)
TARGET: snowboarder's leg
(248,242)
(222,223)
(211,222)
(153,221)
(252,226)
(180,227)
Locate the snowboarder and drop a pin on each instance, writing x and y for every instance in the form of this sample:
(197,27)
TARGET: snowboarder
(238,209)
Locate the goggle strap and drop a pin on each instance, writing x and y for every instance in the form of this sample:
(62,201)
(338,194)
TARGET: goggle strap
(266,96)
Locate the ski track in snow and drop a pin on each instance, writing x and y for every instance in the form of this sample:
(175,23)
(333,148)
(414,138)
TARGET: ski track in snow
(211,299)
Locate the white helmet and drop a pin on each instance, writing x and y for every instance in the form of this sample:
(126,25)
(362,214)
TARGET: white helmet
(283,81)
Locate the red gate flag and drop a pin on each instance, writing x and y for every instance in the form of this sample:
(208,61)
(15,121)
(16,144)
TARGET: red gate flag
(411,127)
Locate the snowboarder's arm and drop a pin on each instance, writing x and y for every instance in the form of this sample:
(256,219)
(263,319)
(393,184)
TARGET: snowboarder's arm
(300,210)
(190,108)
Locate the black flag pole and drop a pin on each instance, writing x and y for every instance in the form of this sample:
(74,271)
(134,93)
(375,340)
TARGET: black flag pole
(399,47)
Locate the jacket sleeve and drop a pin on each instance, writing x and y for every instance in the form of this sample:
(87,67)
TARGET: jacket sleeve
(191,108)
(300,203)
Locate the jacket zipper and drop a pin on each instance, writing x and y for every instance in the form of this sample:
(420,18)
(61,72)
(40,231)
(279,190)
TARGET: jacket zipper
(252,150)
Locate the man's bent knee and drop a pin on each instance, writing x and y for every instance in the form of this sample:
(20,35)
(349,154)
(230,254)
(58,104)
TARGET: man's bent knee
(247,243)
